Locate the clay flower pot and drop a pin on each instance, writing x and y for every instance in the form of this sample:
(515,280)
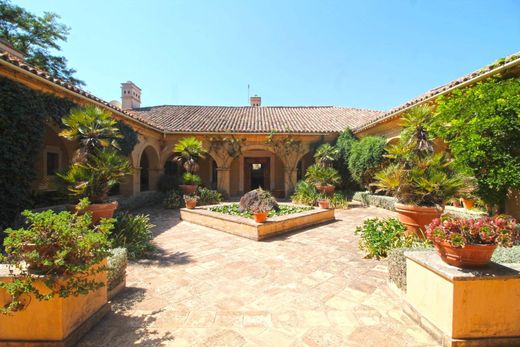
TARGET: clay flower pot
(326,189)
(468,256)
(188,188)
(191,204)
(260,217)
(324,203)
(416,218)
(468,203)
(99,211)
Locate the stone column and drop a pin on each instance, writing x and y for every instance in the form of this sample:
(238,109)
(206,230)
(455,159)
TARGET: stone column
(132,183)
(224,181)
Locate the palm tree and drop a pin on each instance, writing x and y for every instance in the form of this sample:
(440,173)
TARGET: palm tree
(326,155)
(188,151)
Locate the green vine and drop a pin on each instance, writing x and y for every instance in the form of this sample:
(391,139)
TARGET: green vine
(23,115)
(289,150)
(225,148)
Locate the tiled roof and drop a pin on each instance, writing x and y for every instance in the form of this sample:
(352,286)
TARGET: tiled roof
(246,119)
(496,67)
(4,56)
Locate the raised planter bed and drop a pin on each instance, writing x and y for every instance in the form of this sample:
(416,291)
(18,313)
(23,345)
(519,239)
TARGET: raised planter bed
(248,228)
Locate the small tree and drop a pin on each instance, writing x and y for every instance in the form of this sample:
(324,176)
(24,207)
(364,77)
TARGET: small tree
(344,145)
(481,126)
(366,158)
(189,151)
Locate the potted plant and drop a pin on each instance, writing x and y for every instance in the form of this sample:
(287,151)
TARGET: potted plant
(260,209)
(323,177)
(324,203)
(191,182)
(188,151)
(326,155)
(471,242)
(57,255)
(421,180)
(190,200)
(97,165)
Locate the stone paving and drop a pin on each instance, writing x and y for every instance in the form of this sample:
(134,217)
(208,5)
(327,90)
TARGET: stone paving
(208,288)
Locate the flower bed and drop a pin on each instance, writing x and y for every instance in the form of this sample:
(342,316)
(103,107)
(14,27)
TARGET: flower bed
(227,218)
(234,210)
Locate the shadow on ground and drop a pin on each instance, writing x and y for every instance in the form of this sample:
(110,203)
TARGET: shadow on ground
(161,257)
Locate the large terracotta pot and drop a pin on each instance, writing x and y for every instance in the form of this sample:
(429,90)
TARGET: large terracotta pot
(416,218)
(468,203)
(323,203)
(467,256)
(260,217)
(327,189)
(188,188)
(191,204)
(99,211)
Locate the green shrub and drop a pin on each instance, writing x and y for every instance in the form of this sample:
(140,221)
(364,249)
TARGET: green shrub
(305,194)
(191,179)
(323,176)
(117,262)
(338,200)
(378,236)
(344,145)
(507,255)
(133,232)
(366,158)
(208,196)
(173,200)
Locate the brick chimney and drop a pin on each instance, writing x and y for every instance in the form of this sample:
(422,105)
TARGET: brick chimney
(130,95)
(255,101)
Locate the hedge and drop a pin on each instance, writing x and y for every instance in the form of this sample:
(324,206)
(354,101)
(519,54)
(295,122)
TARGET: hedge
(116,264)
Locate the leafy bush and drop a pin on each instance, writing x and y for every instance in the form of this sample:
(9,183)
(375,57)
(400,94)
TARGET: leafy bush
(305,194)
(378,236)
(326,155)
(507,255)
(257,199)
(191,179)
(167,183)
(208,196)
(55,245)
(481,126)
(133,232)
(234,210)
(338,200)
(366,158)
(344,145)
(116,266)
(323,176)
(173,200)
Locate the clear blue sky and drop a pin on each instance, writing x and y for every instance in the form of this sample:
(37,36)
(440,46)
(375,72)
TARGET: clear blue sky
(368,54)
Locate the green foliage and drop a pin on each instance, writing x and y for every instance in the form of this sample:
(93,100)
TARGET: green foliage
(323,176)
(258,200)
(133,232)
(378,236)
(117,262)
(337,200)
(344,145)
(98,165)
(173,200)
(23,116)
(189,150)
(507,255)
(305,194)
(94,177)
(62,247)
(208,196)
(235,210)
(365,159)
(481,126)
(326,155)
(191,179)
(129,138)
(37,37)
(417,175)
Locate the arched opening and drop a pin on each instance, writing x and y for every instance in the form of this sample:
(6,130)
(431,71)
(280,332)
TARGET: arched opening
(306,161)
(149,167)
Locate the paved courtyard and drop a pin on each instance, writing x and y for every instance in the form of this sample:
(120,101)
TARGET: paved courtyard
(209,288)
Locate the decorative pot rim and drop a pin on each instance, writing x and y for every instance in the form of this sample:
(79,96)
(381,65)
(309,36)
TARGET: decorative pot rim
(406,207)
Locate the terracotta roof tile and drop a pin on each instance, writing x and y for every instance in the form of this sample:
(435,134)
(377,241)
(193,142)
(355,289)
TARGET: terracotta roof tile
(247,119)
